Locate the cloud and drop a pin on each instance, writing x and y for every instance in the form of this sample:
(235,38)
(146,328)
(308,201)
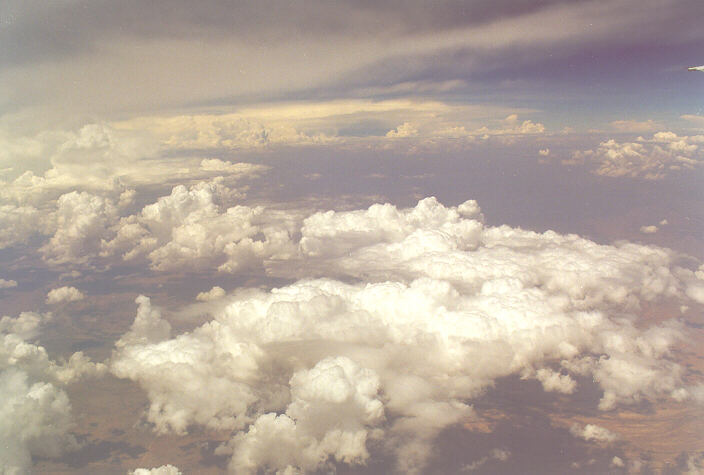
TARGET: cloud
(496,454)
(18,352)
(300,52)
(193,226)
(695,284)
(404,130)
(248,129)
(91,158)
(635,126)
(512,125)
(35,418)
(593,432)
(64,294)
(649,159)
(333,407)
(7,284)
(652,228)
(506,129)
(19,223)
(81,220)
(420,311)
(35,412)
(553,381)
(213,294)
(104,168)
(109,160)
(25,326)
(163,470)
(327,123)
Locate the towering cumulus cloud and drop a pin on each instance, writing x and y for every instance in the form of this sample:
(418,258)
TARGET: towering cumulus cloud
(192,226)
(35,413)
(398,320)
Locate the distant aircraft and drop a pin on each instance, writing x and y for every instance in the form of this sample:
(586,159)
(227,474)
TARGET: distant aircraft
(696,68)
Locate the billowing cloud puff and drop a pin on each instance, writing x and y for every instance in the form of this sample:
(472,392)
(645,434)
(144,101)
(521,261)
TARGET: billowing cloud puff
(332,408)
(512,125)
(496,454)
(64,294)
(650,159)
(230,131)
(87,159)
(193,226)
(404,130)
(212,294)
(593,432)
(7,284)
(25,326)
(554,381)
(35,418)
(35,413)
(320,123)
(451,244)
(694,283)
(104,159)
(434,309)
(89,180)
(330,235)
(18,223)
(163,470)
(82,219)
(17,351)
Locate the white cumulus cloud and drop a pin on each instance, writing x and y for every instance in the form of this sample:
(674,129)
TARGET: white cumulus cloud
(212,294)
(7,284)
(649,159)
(593,432)
(427,308)
(194,226)
(167,469)
(64,294)
(82,219)
(35,412)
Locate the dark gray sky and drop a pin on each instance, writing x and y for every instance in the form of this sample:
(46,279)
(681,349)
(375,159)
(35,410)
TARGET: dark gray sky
(605,60)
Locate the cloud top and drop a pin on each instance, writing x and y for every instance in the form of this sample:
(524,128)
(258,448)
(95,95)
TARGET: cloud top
(64,294)
(437,307)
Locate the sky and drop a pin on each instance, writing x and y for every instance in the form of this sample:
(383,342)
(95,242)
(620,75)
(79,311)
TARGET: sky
(351,237)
